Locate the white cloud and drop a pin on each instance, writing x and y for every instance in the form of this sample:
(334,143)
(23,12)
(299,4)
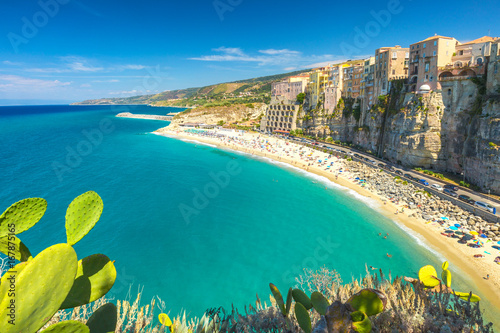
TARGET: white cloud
(132,67)
(106,81)
(11,63)
(286,58)
(14,86)
(85,85)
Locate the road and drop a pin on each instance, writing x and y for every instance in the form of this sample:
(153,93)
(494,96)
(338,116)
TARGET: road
(380,163)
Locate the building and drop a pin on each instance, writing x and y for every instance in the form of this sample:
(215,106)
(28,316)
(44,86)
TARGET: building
(280,118)
(350,70)
(468,60)
(426,57)
(287,90)
(334,90)
(318,81)
(358,73)
(493,82)
(368,82)
(390,63)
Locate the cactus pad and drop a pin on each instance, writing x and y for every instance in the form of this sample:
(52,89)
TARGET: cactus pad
(465,296)
(445,265)
(21,216)
(289,299)
(319,302)
(12,247)
(103,320)
(165,319)
(369,301)
(303,318)
(69,326)
(446,277)
(300,297)
(41,287)
(95,276)
(428,276)
(279,299)
(82,215)
(360,322)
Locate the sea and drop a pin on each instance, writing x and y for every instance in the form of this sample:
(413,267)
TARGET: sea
(196,226)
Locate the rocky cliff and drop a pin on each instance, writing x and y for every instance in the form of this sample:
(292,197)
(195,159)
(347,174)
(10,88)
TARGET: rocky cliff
(456,129)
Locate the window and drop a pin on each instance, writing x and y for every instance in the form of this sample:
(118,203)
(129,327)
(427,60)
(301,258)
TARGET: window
(413,47)
(424,55)
(394,55)
(426,67)
(434,53)
(460,52)
(393,72)
(407,55)
(479,61)
(425,45)
(426,77)
(496,68)
(418,46)
(432,78)
(435,43)
(449,92)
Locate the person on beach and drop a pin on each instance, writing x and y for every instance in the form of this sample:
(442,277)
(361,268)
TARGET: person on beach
(372,268)
(487,277)
(389,255)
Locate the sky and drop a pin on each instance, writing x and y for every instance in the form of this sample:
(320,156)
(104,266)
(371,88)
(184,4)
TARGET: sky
(71,50)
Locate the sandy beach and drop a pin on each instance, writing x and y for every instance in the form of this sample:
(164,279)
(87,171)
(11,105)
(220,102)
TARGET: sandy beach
(336,170)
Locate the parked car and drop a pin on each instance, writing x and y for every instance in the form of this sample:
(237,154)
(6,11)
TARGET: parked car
(356,155)
(423,182)
(381,165)
(485,206)
(466,198)
(451,187)
(437,187)
(407,175)
(399,172)
(450,192)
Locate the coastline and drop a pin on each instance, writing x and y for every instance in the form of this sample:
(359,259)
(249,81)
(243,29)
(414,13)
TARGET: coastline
(458,255)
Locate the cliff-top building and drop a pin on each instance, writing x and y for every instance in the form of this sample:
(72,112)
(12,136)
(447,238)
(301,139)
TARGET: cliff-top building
(425,59)
(390,63)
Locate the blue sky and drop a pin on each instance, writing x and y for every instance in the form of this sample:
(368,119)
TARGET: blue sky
(71,50)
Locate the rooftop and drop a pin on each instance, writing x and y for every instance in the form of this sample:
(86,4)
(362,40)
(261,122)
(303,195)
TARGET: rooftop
(484,39)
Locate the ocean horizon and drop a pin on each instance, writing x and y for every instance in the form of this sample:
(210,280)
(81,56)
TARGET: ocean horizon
(198,226)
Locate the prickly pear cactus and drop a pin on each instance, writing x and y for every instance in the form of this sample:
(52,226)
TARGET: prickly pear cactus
(465,296)
(289,299)
(103,320)
(368,301)
(164,319)
(82,215)
(428,276)
(69,326)
(21,216)
(303,318)
(40,289)
(319,302)
(12,247)
(279,299)
(10,277)
(360,322)
(300,297)
(95,277)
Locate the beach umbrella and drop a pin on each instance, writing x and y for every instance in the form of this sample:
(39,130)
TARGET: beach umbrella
(458,225)
(459,233)
(444,218)
(449,231)
(474,233)
(453,228)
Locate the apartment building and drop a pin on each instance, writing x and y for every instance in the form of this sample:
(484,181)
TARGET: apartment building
(426,57)
(390,63)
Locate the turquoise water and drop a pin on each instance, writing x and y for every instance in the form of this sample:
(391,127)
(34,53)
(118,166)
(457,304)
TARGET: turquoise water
(262,224)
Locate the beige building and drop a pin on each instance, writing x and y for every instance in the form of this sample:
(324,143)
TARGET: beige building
(350,70)
(334,90)
(286,91)
(426,57)
(469,60)
(318,81)
(390,63)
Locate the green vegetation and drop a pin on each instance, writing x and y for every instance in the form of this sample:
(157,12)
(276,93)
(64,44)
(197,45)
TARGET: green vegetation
(464,184)
(256,90)
(301,97)
(54,279)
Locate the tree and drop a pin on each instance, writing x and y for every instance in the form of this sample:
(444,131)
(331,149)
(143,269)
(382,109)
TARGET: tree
(301,97)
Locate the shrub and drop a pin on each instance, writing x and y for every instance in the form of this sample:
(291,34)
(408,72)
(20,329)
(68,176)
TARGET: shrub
(464,184)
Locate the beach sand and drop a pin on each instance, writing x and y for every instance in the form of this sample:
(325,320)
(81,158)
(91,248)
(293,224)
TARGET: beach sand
(458,255)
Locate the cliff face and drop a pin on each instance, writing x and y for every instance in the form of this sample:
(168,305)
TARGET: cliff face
(456,130)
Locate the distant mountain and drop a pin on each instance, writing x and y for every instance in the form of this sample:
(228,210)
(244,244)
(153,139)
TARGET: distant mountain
(243,91)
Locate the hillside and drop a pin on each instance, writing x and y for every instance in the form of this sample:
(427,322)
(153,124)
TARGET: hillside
(255,90)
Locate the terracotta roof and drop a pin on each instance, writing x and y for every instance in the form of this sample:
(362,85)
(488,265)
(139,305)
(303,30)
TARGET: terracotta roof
(435,37)
(481,40)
